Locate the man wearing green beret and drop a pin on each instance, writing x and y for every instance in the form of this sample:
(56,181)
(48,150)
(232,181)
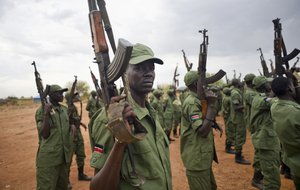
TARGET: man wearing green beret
(229,128)
(285,114)
(54,151)
(196,138)
(264,138)
(147,166)
(237,116)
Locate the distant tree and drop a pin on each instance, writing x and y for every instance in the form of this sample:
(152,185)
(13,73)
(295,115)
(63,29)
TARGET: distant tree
(82,88)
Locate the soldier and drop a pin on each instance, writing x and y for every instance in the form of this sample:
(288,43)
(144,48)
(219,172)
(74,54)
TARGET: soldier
(249,94)
(285,114)
(197,143)
(78,141)
(93,103)
(237,117)
(177,116)
(169,113)
(264,138)
(229,127)
(54,151)
(151,154)
(157,105)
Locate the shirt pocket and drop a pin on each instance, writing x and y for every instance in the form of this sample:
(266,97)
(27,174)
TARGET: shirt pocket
(144,161)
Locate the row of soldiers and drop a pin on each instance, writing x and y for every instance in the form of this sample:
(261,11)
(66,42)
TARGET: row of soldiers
(270,123)
(145,164)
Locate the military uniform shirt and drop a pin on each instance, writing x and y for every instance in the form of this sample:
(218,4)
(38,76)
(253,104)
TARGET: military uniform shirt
(236,101)
(196,152)
(264,136)
(56,149)
(248,97)
(286,118)
(151,155)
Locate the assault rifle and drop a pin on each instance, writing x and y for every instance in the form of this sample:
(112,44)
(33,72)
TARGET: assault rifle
(175,80)
(71,106)
(202,80)
(39,85)
(187,64)
(96,84)
(263,64)
(273,72)
(281,57)
(109,71)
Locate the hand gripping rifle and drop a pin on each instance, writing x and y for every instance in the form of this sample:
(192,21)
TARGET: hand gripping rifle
(263,64)
(281,57)
(188,65)
(202,80)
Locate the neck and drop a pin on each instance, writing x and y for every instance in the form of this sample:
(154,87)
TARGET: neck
(140,99)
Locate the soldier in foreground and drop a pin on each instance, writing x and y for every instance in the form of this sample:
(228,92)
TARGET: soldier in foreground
(150,155)
(197,137)
(54,151)
(285,114)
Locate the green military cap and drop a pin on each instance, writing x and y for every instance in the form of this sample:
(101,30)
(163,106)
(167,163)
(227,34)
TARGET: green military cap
(94,93)
(249,77)
(141,53)
(226,90)
(56,88)
(190,77)
(260,80)
(157,92)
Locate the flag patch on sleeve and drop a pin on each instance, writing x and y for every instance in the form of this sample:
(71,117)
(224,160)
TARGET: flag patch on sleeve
(195,117)
(98,148)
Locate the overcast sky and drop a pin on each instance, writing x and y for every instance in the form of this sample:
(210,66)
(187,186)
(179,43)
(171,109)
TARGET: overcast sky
(56,35)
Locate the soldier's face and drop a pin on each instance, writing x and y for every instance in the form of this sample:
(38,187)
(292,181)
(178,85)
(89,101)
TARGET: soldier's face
(141,77)
(57,96)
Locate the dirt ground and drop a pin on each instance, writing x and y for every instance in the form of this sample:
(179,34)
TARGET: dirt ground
(19,142)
